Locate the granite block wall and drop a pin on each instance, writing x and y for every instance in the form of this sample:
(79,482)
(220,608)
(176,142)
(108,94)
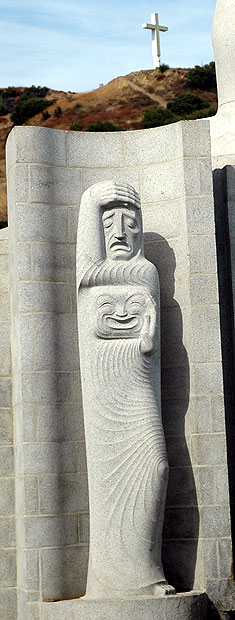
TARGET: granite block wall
(47,172)
(8,609)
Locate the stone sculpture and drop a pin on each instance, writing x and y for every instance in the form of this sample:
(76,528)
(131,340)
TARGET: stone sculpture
(118,320)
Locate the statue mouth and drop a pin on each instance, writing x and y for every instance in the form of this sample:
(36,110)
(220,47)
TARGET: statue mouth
(122,322)
(120,245)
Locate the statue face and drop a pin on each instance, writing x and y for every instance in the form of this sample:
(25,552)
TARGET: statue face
(122,232)
(119,313)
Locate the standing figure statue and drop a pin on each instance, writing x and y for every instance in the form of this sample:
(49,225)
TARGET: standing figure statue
(119,341)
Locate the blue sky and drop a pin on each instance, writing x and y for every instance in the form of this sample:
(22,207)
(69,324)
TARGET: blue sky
(78,44)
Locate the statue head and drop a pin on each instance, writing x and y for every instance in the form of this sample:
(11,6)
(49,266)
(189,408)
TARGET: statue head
(122,231)
(121,220)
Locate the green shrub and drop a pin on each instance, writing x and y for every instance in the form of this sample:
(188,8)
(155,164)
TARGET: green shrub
(26,108)
(205,113)
(203,77)
(45,115)
(35,91)
(186,103)
(104,126)
(163,67)
(75,126)
(157,117)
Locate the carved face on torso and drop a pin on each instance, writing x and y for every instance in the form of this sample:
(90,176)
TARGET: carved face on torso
(122,232)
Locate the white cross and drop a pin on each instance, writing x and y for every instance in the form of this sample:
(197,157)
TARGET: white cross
(156,29)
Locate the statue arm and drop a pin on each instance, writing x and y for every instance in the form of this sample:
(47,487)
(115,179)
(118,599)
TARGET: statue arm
(149,328)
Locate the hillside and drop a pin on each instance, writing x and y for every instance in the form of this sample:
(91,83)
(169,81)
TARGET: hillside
(122,101)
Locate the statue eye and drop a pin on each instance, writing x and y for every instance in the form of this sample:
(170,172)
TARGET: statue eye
(107,223)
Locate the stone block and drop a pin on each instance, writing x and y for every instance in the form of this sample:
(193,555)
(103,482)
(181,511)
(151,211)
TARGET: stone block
(180,522)
(37,144)
(208,449)
(44,297)
(81,457)
(83,520)
(17,389)
(55,343)
(221,485)
(174,411)
(175,382)
(34,611)
(225,558)
(47,386)
(64,572)
(215,521)
(7,568)
(55,186)
(191,177)
(208,378)
(203,414)
(73,223)
(8,604)
(82,609)
(7,500)
(147,608)
(5,305)
(205,176)
(188,606)
(4,274)
(203,289)
(83,149)
(119,175)
(206,485)
(42,223)
(164,218)
(6,461)
(160,144)
(60,494)
(210,559)
(6,433)
(200,215)
(47,531)
(25,423)
(22,252)
(196,138)
(213,333)
(198,334)
(21,174)
(59,422)
(181,489)
(43,458)
(217,411)
(26,341)
(7,532)
(163,182)
(53,262)
(27,501)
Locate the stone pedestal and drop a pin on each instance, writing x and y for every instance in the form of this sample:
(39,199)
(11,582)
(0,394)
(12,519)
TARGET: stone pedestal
(191,605)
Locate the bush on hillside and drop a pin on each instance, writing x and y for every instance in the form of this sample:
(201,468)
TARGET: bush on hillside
(163,67)
(104,126)
(75,126)
(35,91)
(205,113)
(186,103)
(203,77)
(58,111)
(26,108)
(157,117)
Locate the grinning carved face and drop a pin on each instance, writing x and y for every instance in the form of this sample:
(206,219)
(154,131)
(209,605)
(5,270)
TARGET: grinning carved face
(122,232)
(120,316)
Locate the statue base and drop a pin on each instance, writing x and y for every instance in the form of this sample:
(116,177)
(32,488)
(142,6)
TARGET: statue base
(181,606)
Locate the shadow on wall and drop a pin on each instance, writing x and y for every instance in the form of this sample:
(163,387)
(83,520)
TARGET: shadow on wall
(224,196)
(180,534)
